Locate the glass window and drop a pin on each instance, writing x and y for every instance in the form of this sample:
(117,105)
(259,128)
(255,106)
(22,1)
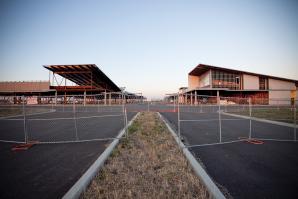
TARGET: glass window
(263,83)
(221,79)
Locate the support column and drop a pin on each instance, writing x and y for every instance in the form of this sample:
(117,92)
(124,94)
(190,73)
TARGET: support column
(180,98)
(110,98)
(56,98)
(196,98)
(218,99)
(191,100)
(105,97)
(84,98)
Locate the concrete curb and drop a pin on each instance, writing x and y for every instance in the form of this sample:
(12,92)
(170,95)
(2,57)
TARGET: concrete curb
(75,191)
(261,120)
(211,186)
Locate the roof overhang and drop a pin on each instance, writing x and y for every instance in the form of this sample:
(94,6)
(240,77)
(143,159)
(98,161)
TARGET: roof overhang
(202,68)
(85,75)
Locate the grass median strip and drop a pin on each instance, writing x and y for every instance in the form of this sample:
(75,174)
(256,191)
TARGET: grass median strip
(147,164)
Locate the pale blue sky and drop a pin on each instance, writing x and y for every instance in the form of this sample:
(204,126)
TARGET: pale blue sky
(148,46)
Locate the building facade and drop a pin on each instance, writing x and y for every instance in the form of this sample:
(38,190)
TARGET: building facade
(262,89)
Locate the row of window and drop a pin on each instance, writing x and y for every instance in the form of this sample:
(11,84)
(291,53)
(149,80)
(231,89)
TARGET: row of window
(222,79)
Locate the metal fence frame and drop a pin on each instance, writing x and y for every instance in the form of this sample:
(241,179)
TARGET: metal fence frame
(222,109)
(67,106)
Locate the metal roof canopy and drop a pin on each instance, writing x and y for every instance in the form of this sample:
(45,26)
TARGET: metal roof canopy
(84,75)
(201,68)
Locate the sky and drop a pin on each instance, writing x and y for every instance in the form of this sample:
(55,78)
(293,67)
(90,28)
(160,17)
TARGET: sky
(148,46)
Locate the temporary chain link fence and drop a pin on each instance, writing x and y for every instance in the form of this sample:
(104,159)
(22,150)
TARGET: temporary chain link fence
(135,102)
(62,119)
(201,119)
(207,120)
(161,106)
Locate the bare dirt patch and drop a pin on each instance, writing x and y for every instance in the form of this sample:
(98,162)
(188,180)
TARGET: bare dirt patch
(148,164)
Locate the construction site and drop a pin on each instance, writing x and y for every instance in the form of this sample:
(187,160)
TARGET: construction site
(66,81)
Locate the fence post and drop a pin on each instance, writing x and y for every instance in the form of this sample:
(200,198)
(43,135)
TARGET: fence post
(175,101)
(75,121)
(250,110)
(119,98)
(178,110)
(201,108)
(84,98)
(98,102)
(295,123)
(25,121)
(124,119)
(122,98)
(126,130)
(56,98)
(64,103)
(52,100)
(219,117)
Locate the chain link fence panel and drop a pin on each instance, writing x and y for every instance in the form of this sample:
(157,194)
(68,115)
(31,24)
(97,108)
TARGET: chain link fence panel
(207,120)
(61,119)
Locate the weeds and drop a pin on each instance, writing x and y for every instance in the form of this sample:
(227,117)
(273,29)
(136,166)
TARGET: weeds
(147,164)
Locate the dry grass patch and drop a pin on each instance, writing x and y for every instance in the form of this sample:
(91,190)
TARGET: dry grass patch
(148,164)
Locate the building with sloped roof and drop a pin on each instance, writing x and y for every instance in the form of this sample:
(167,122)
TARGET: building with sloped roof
(218,81)
(68,80)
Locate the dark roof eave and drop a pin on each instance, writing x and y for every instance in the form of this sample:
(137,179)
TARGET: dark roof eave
(204,68)
(100,77)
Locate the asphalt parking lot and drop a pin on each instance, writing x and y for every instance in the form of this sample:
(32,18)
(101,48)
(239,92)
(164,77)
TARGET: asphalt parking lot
(242,169)
(63,124)
(49,170)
